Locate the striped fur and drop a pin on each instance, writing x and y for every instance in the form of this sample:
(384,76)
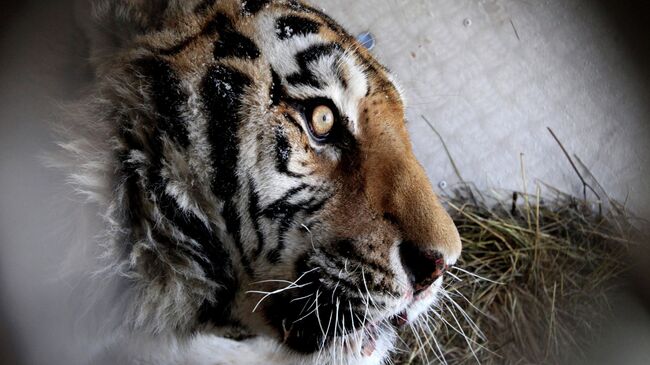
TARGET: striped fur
(215,192)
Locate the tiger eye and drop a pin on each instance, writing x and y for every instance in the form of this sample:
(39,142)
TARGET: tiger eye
(322,121)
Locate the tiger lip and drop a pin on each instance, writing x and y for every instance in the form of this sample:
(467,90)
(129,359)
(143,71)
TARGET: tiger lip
(398,321)
(369,342)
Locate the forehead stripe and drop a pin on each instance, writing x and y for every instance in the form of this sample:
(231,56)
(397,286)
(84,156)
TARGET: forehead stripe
(251,7)
(305,76)
(292,25)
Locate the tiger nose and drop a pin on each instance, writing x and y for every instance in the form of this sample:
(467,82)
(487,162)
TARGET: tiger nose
(423,266)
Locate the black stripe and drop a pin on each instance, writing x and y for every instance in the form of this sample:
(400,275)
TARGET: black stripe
(218,262)
(132,204)
(336,27)
(369,268)
(348,284)
(305,76)
(285,223)
(315,206)
(143,183)
(252,7)
(285,213)
(283,153)
(168,98)
(346,249)
(288,212)
(293,25)
(273,256)
(208,29)
(254,211)
(186,222)
(275,209)
(281,207)
(232,43)
(222,91)
(233,225)
(277,92)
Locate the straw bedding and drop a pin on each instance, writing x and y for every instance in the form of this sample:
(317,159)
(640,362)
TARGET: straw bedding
(533,282)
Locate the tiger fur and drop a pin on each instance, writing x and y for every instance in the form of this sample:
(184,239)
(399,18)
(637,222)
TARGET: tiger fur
(224,212)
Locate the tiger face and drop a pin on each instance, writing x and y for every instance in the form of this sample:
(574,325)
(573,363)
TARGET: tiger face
(264,179)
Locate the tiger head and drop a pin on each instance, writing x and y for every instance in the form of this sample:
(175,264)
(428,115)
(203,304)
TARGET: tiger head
(263,178)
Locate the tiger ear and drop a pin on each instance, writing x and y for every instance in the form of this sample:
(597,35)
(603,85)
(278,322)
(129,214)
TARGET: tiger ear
(112,24)
(132,16)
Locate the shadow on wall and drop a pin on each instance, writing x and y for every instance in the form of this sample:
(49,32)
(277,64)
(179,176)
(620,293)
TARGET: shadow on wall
(632,19)
(628,340)
(8,350)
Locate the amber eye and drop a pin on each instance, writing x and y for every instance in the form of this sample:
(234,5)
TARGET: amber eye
(322,121)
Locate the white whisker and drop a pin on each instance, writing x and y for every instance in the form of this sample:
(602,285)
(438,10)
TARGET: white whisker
(453,276)
(476,276)
(472,324)
(292,285)
(462,333)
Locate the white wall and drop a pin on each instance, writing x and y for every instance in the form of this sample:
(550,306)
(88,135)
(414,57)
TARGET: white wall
(491,75)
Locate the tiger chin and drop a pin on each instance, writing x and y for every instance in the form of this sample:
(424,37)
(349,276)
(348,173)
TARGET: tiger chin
(255,176)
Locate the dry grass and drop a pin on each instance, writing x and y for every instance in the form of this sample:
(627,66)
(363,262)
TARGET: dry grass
(546,266)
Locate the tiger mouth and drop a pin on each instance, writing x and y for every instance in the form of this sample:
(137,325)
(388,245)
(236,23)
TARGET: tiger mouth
(313,317)
(362,339)
(374,332)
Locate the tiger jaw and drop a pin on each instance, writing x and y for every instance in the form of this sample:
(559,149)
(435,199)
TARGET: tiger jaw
(319,334)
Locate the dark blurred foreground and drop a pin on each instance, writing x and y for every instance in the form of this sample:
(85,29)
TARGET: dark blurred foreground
(42,63)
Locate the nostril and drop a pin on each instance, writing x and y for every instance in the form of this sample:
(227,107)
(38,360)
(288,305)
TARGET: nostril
(423,266)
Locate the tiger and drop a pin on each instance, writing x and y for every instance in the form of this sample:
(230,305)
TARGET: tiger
(256,180)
